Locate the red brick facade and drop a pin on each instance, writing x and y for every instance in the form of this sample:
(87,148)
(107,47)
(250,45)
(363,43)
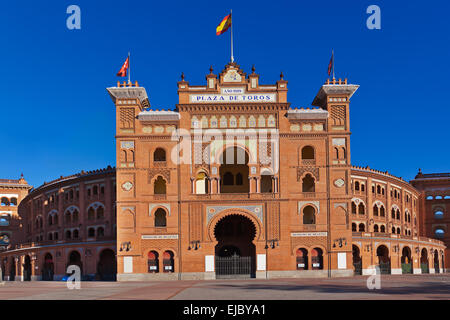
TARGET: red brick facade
(232,175)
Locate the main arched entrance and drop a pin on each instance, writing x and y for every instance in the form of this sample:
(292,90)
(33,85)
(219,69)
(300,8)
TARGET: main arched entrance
(235,251)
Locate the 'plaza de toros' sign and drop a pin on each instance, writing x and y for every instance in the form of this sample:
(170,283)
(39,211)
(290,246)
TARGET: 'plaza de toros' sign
(233,95)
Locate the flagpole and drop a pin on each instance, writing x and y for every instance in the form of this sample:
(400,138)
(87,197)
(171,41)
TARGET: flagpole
(129,68)
(231,16)
(332,53)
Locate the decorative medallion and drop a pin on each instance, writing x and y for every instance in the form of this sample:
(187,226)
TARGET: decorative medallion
(127,186)
(339,183)
(232,76)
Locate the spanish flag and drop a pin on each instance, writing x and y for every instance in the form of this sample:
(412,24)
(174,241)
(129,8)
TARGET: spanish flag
(224,25)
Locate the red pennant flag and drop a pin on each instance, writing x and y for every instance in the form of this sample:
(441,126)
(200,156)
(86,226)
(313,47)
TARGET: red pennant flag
(330,65)
(123,71)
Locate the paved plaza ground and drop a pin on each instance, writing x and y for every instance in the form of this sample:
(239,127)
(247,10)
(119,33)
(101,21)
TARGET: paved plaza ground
(397,287)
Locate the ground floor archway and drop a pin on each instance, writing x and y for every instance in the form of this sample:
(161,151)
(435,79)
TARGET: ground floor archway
(357,261)
(406,261)
(75,259)
(48,268)
(424,265)
(27,268)
(107,266)
(235,252)
(384,261)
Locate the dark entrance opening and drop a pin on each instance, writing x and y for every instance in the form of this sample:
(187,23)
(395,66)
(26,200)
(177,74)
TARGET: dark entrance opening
(436,262)
(424,265)
(48,269)
(357,261)
(406,260)
(27,269)
(12,269)
(75,259)
(235,252)
(384,261)
(106,268)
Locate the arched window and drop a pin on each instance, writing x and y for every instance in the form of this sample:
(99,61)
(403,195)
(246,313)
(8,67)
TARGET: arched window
(362,187)
(375,228)
(5,201)
(153,262)
(353,208)
(383,229)
(354,227)
(50,237)
(356,186)
(266,183)
(168,262)
(439,233)
(362,227)
(382,211)
(393,213)
(100,232)
(94,191)
(201,183)
(398,214)
(160,218)
(308,184)
(160,186)
(308,153)
(75,234)
(239,179)
(398,230)
(75,216)
(159,155)
(302,259)
(361,209)
(91,232)
(317,259)
(91,213)
(68,235)
(375,210)
(67,217)
(439,214)
(393,230)
(309,215)
(14,201)
(100,213)
(228,179)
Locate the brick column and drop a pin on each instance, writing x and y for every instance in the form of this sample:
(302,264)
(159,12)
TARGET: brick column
(108,207)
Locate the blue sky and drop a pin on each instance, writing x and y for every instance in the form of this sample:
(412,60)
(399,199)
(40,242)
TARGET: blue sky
(58,118)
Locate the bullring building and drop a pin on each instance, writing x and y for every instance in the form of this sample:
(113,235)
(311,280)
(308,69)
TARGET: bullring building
(231,183)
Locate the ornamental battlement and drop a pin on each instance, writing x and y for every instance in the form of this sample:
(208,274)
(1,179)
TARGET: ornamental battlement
(334,81)
(385,173)
(127,84)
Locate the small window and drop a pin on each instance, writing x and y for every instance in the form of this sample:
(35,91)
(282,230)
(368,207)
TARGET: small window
(159,155)
(439,233)
(308,153)
(160,218)
(438,214)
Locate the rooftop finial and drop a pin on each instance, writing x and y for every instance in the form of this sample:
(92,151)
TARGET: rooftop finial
(182,76)
(281,75)
(211,69)
(253,69)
